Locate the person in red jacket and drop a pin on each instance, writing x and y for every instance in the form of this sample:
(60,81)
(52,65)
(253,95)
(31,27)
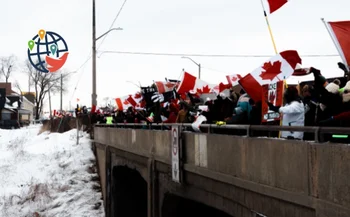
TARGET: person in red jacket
(173,111)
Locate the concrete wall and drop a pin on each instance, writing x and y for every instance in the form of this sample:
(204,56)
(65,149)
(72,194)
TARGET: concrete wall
(101,164)
(296,172)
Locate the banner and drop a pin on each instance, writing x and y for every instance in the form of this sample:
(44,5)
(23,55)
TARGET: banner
(272,93)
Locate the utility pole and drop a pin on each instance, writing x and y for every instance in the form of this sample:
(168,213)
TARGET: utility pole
(199,71)
(61,93)
(93,95)
(94,39)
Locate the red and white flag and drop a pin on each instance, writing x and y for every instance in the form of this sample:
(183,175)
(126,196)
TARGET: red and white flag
(163,87)
(277,68)
(276,4)
(135,99)
(122,103)
(340,33)
(192,84)
(233,79)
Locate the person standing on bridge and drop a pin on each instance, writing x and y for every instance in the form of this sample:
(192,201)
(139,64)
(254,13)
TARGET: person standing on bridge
(109,119)
(293,113)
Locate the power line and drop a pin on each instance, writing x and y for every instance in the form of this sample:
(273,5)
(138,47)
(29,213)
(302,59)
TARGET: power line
(86,61)
(116,17)
(207,55)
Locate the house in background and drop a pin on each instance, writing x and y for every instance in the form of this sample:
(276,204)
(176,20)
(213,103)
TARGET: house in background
(15,109)
(28,103)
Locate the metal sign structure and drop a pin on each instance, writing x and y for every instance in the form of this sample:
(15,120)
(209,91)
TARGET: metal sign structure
(175,154)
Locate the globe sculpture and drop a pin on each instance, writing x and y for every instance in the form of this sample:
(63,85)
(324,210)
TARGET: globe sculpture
(47,51)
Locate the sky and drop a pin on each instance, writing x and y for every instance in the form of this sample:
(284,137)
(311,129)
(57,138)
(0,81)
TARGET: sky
(158,26)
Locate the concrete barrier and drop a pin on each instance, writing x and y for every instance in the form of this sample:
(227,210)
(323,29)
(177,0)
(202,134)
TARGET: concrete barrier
(317,172)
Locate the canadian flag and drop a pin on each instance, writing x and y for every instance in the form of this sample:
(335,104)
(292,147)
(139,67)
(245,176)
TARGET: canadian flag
(192,84)
(135,99)
(221,88)
(122,103)
(276,4)
(163,87)
(233,79)
(340,33)
(277,68)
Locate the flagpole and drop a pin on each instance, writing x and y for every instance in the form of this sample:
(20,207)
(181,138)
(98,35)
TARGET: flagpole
(269,27)
(274,46)
(336,42)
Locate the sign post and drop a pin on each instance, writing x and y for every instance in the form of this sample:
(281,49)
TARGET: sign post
(175,154)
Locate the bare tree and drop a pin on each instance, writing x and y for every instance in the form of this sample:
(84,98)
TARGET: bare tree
(43,83)
(7,65)
(18,87)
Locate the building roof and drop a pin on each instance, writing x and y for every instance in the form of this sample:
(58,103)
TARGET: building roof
(8,88)
(25,99)
(30,96)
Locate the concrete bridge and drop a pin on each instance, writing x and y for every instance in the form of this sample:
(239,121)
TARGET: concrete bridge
(168,173)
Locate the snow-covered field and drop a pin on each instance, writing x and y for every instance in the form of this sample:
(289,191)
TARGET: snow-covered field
(47,175)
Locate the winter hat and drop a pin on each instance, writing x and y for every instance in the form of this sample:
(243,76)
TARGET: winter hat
(332,88)
(323,80)
(337,82)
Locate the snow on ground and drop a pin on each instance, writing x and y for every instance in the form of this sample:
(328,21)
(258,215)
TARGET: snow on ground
(47,175)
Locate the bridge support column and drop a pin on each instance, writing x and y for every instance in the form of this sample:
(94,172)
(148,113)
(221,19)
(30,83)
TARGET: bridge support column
(152,204)
(108,181)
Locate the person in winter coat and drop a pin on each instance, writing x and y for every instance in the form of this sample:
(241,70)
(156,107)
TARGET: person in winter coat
(182,116)
(310,104)
(242,112)
(173,112)
(293,113)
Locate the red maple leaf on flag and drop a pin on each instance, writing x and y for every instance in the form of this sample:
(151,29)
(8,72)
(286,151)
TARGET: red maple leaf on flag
(203,90)
(125,102)
(271,70)
(234,79)
(223,87)
(137,96)
(272,97)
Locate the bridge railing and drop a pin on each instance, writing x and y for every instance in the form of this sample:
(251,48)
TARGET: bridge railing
(318,131)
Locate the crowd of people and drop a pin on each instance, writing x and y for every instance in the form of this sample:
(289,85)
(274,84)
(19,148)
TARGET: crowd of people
(320,103)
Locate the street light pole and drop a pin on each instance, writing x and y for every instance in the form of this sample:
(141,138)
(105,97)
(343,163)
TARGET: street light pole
(93,95)
(94,39)
(198,64)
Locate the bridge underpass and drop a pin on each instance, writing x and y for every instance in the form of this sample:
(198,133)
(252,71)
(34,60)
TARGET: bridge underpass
(129,193)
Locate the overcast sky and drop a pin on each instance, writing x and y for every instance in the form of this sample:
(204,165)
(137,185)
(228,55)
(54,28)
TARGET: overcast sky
(163,26)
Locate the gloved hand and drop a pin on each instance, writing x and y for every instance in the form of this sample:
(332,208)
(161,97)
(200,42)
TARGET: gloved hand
(343,67)
(220,123)
(316,72)
(273,108)
(157,97)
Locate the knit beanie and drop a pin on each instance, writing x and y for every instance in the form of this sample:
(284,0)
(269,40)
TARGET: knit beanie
(323,80)
(332,88)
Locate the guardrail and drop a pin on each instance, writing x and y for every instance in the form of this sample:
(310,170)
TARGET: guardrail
(317,130)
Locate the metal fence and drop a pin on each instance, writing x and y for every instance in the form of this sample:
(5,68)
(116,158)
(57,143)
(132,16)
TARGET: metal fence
(318,131)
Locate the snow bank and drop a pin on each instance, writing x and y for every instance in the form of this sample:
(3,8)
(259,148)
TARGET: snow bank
(47,175)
